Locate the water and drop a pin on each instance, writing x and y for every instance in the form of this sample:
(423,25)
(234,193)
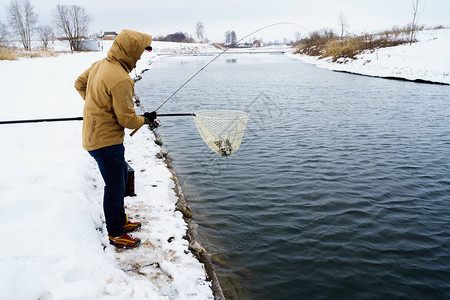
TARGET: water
(340,189)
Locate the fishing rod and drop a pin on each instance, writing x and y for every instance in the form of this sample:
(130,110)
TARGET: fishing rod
(41,120)
(170,97)
(216,57)
(79,119)
(220,54)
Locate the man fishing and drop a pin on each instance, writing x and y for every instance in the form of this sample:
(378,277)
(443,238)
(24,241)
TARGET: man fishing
(108,92)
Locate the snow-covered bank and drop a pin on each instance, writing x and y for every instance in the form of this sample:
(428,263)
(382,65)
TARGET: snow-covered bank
(162,48)
(182,48)
(428,60)
(51,200)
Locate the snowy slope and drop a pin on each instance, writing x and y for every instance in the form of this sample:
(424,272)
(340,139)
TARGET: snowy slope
(51,218)
(428,59)
(182,48)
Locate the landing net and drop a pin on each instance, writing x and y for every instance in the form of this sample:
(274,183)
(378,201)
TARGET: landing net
(222,130)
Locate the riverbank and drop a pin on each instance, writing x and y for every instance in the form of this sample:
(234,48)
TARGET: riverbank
(427,60)
(51,206)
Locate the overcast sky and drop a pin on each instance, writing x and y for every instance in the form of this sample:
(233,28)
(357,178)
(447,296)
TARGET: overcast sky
(245,16)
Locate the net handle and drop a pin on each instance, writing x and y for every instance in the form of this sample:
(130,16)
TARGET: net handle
(164,115)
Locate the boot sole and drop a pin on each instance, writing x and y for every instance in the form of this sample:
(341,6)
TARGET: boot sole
(130,246)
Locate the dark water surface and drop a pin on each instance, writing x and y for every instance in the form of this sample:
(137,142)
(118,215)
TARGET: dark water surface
(341,187)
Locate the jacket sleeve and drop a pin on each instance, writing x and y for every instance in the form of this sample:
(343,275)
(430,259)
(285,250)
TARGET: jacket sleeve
(123,105)
(81,83)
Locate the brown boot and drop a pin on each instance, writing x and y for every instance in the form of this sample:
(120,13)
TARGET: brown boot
(124,241)
(131,226)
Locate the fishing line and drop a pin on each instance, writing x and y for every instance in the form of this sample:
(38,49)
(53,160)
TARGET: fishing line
(220,54)
(221,130)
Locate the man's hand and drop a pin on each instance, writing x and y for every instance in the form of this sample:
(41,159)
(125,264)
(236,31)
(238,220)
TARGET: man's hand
(149,117)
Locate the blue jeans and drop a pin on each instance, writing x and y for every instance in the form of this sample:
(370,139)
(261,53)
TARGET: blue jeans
(112,165)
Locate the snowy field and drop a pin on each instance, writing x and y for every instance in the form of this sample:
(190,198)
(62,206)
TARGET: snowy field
(55,242)
(428,59)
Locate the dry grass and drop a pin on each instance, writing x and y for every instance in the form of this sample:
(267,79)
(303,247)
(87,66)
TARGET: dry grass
(7,54)
(352,46)
(14,54)
(327,44)
(349,47)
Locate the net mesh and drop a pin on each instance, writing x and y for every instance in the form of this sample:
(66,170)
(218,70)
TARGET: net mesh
(222,130)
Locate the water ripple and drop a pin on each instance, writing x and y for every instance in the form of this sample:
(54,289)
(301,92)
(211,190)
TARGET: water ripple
(341,192)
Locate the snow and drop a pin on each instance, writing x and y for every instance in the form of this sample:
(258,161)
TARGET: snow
(160,47)
(428,59)
(55,244)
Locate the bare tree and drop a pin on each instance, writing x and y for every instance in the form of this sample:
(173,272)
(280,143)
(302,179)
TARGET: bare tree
(45,34)
(233,39)
(22,19)
(228,37)
(94,35)
(413,26)
(328,33)
(343,24)
(4,35)
(73,22)
(200,31)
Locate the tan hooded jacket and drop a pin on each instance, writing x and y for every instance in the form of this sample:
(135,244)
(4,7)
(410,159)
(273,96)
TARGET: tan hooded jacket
(108,92)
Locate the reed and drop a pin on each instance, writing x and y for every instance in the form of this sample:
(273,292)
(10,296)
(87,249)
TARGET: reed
(7,54)
(13,53)
(326,44)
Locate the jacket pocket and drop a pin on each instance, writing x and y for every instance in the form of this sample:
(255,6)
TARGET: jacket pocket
(91,133)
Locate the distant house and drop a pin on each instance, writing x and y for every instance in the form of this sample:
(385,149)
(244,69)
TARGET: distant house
(258,43)
(109,35)
(91,45)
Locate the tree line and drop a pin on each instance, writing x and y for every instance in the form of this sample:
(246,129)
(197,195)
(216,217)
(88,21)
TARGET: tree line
(72,21)
(183,37)
(179,37)
(342,45)
(410,29)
